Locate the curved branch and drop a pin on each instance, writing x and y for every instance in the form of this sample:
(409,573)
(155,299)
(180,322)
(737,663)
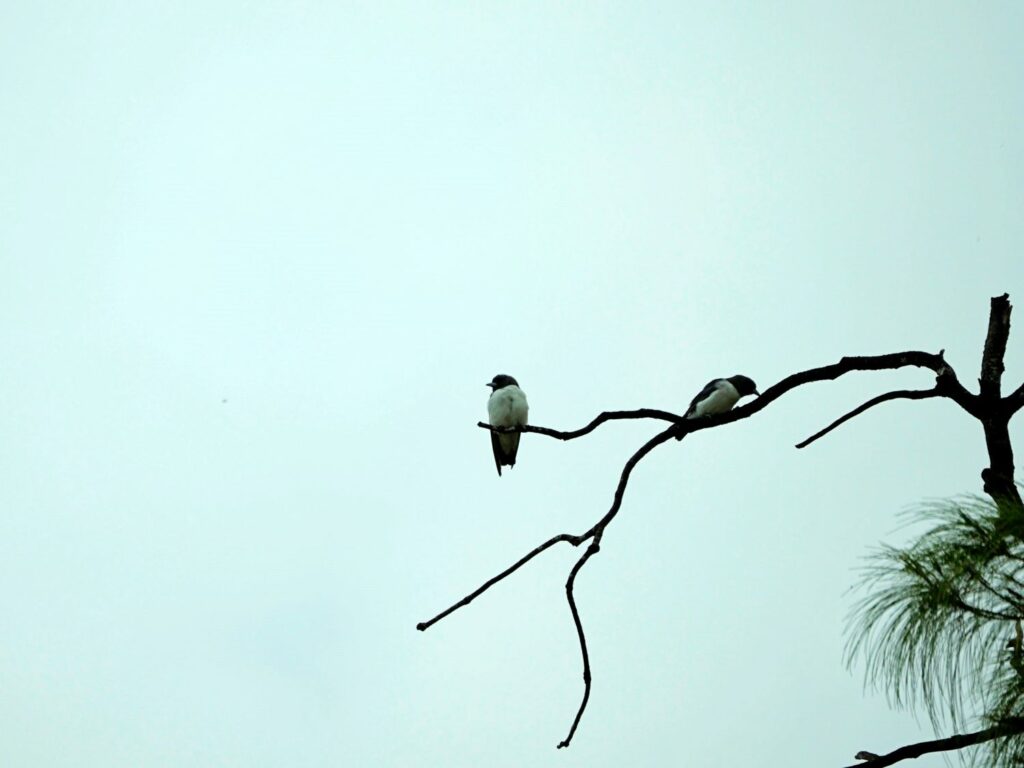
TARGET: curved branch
(946,380)
(595,531)
(593,549)
(574,540)
(620,489)
(938,745)
(640,413)
(946,385)
(903,394)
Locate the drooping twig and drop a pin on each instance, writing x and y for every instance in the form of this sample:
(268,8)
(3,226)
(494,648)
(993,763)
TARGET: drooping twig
(903,394)
(959,741)
(597,532)
(593,549)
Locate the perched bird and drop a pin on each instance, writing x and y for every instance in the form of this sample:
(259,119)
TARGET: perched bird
(507,407)
(720,395)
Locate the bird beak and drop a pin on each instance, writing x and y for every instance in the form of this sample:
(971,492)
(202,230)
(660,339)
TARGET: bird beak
(757,393)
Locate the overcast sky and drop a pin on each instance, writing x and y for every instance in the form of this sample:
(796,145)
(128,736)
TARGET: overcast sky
(259,260)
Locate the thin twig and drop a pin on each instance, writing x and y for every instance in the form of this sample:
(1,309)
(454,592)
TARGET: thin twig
(423,625)
(593,549)
(597,532)
(598,527)
(903,394)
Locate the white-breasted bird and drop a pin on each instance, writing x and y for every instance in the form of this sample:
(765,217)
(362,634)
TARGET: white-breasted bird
(507,407)
(720,395)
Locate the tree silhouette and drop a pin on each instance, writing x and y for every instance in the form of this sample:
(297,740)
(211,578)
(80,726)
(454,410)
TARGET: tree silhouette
(989,407)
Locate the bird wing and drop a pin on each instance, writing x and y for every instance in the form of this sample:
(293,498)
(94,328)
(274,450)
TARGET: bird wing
(498,452)
(710,387)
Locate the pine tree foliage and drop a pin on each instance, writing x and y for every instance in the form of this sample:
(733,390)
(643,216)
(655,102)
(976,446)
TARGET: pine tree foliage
(939,623)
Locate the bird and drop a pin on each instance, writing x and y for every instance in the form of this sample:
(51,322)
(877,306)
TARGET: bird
(720,395)
(506,407)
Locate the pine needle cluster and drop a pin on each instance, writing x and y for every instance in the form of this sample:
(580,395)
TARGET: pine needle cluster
(939,623)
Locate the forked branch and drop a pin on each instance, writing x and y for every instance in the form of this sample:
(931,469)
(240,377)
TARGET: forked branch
(593,535)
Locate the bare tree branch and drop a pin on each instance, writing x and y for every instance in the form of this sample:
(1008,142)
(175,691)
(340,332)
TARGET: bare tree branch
(946,378)
(595,533)
(595,530)
(993,412)
(946,385)
(641,413)
(574,540)
(593,549)
(959,741)
(903,394)
(620,489)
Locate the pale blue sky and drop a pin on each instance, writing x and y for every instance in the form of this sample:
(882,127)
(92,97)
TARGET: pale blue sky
(343,219)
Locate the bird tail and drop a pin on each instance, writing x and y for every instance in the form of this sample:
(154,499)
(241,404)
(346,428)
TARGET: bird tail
(505,447)
(510,447)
